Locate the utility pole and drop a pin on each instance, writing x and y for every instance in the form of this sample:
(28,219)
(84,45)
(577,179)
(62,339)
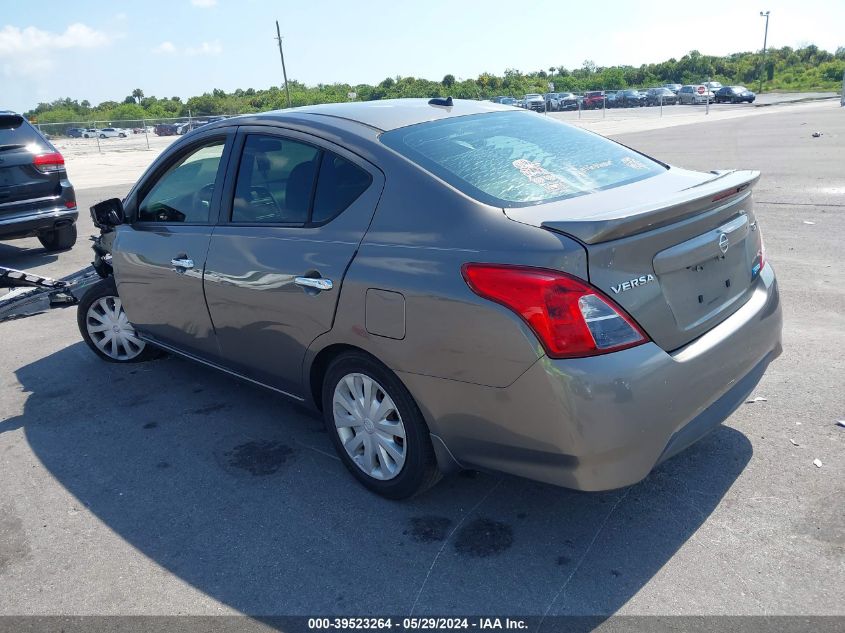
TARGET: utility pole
(764,14)
(282,55)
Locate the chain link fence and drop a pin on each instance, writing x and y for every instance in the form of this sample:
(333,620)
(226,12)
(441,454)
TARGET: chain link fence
(86,137)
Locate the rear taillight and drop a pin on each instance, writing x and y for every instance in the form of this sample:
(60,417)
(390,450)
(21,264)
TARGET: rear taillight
(48,163)
(571,318)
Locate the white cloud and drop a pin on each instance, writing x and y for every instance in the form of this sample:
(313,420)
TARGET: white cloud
(27,50)
(165,48)
(204,4)
(206,48)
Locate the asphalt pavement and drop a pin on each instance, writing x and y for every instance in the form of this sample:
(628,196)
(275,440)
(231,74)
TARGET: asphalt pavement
(169,488)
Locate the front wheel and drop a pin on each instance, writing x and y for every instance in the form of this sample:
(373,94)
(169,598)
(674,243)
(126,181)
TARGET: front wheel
(106,329)
(377,428)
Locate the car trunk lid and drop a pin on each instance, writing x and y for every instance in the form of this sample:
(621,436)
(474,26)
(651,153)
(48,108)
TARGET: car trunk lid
(678,265)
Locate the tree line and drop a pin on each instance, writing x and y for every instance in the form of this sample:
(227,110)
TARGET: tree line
(783,69)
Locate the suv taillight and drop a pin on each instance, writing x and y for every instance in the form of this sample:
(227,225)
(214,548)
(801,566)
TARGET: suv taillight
(570,318)
(48,163)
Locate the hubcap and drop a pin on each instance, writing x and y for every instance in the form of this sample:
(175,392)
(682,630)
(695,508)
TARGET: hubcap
(369,426)
(111,331)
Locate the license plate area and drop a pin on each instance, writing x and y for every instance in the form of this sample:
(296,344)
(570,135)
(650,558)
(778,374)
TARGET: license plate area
(704,276)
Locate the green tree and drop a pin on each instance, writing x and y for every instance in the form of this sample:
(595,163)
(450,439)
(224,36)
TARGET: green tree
(138,94)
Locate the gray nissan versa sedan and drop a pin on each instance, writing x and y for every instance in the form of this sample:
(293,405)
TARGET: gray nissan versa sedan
(455,284)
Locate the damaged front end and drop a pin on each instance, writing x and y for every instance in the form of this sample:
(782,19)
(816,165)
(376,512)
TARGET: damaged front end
(32,294)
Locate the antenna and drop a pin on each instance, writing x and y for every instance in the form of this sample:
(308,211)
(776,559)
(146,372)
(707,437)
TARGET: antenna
(282,55)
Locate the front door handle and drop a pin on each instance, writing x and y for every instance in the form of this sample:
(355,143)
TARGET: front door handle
(182,262)
(317,283)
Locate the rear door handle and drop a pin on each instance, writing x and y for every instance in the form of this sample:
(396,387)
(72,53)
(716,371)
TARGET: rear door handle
(182,262)
(318,283)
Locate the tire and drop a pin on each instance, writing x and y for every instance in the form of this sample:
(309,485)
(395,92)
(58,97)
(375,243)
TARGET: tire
(96,310)
(60,239)
(384,474)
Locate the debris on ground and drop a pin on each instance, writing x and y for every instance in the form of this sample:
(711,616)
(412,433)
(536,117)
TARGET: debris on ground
(840,423)
(794,443)
(816,134)
(757,399)
(808,222)
(817,463)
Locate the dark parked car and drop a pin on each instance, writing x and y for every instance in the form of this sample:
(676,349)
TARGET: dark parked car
(612,98)
(656,96)
(630,99)
(184,128)
(734,94)
(593,99)
(75,132)
(575,315)
(165,129)
(675,88)
(507,101)
(36,198)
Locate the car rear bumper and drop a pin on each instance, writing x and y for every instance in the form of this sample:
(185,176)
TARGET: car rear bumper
(604,422)
(33,221)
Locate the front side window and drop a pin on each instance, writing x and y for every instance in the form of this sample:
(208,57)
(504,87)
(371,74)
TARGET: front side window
(183,193)
(281,181)
(512,159)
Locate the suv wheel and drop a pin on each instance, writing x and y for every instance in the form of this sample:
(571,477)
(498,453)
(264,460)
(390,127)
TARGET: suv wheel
(106,329)
(59,239)
(376,427)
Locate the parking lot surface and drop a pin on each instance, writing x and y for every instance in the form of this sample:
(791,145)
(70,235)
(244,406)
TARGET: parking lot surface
(168,488)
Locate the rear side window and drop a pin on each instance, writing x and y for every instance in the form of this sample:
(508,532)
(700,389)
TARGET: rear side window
(514,159)
(15,132)
(276,183)
(339,185)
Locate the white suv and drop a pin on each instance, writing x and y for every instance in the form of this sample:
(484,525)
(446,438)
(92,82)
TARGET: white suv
(112,132)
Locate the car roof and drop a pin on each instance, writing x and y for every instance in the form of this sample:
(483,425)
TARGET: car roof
(385,114)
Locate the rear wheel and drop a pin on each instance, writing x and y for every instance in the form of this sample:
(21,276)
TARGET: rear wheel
(106,329)
(59,239)
(377,428)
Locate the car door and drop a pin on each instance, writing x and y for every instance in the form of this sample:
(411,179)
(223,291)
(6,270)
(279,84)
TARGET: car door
(294,212)
(159,258)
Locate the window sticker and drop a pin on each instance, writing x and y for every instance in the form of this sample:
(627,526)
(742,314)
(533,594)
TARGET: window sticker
(633,163)
(541,176)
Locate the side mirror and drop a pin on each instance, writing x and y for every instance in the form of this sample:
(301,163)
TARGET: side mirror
(108,213)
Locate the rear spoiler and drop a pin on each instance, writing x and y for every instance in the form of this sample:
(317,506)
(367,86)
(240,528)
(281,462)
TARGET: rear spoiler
(639,218)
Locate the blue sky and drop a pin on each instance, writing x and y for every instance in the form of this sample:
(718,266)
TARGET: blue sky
(99,50)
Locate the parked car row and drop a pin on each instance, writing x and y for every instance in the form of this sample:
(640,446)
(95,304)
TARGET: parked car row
(668,94)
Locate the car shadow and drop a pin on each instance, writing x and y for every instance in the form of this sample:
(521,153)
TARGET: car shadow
(238,493)
(25,254)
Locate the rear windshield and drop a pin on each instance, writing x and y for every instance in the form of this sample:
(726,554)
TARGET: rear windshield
(514,159)
(15,131)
